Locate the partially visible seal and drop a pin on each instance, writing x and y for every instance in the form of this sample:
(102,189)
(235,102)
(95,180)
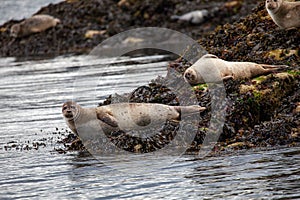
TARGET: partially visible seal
(209,68)
(197,16)
(285,14)
(34,24)
(122,116)
(194,17)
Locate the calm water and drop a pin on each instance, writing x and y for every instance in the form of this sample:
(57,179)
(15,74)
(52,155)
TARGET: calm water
(31,95)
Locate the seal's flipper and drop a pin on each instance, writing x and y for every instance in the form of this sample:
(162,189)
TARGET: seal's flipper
(227,77)
(274,68)
(189,110)
(106,118)
(210,56)
(175,17)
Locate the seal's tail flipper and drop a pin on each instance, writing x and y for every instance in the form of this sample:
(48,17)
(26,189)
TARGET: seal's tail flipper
(189,110)
(175,17)
(275,68)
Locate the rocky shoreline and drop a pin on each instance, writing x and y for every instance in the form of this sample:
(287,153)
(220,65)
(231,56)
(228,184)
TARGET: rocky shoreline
(261,112)
(85,24)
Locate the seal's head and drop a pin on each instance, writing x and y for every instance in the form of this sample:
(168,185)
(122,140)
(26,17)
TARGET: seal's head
(193,77)
(14,30)
(56,21)
(70,110)
(273,5)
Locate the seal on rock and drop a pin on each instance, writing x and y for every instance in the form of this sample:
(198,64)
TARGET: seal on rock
(122,116)
(215,69)
(285,14)
(34,24)
(197,16)
(194,17)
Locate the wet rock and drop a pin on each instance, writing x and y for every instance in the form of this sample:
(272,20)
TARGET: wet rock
(41,140)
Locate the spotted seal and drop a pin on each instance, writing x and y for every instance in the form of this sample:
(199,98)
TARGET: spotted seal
(122,116)
(194,17)
(34,24)
(285,14)
(215,69)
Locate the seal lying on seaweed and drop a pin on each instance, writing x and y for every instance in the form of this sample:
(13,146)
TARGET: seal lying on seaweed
(122,116)
(210,68)
(34,24)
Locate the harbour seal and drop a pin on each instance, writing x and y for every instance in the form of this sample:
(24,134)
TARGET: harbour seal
(217,70)
(122,116)
(285,14)
(34,24)
(194,17)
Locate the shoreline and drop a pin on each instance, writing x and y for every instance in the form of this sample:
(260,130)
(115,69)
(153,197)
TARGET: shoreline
(85,24)
(262,112)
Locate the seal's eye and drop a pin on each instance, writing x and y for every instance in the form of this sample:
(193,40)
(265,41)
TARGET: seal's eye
(275,0)
(73,107)
(64,108)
